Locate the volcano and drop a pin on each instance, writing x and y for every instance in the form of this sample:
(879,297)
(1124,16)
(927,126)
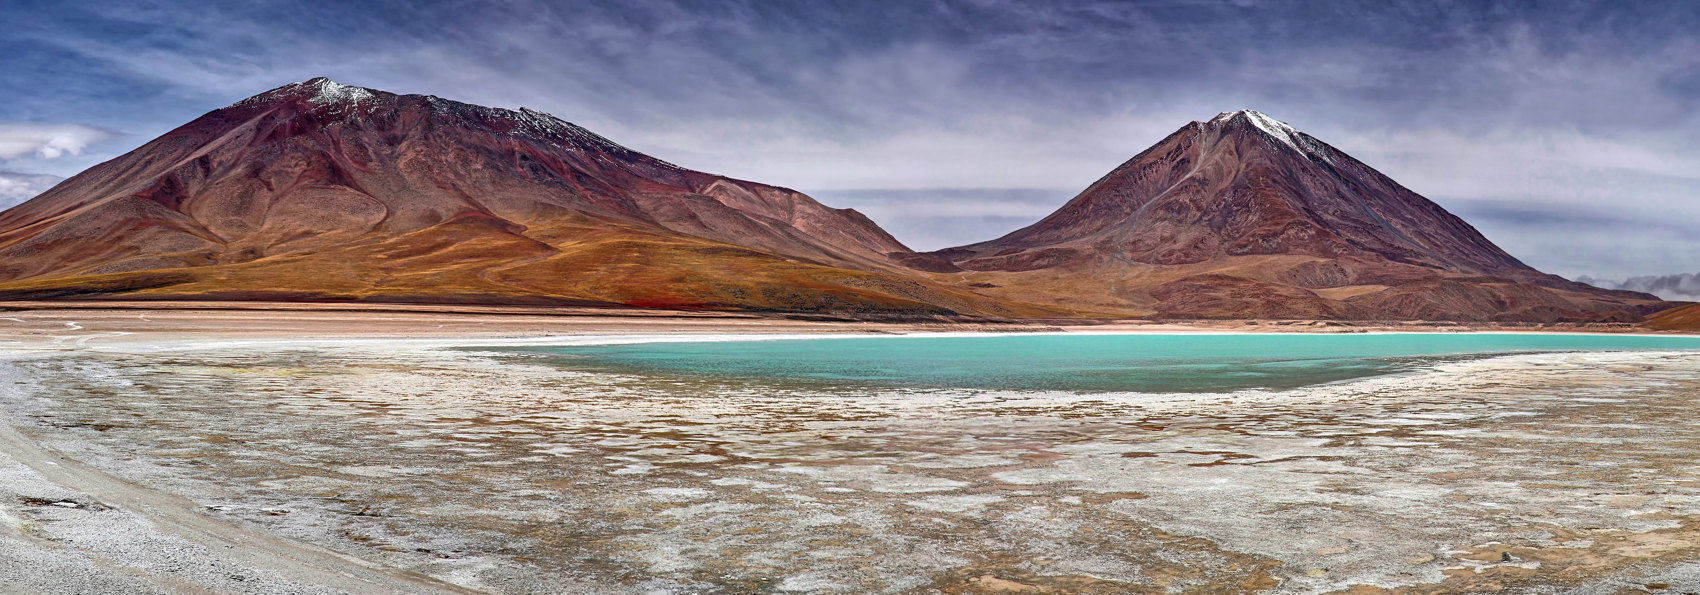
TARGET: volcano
(317,191)
(322,191)
(1242,216)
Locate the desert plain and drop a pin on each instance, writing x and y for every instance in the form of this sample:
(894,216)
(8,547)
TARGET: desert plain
(318,449)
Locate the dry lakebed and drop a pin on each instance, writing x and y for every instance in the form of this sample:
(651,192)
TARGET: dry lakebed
(174,462)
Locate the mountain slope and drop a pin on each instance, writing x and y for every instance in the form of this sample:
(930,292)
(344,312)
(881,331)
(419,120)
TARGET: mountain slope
(1683,318)
(320,191)
(317,190)
(1243,216)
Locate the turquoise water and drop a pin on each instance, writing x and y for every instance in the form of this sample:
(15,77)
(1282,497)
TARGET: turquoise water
(1078,363)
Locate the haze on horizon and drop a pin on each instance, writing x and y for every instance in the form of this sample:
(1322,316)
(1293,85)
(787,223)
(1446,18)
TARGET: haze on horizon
(1569,133)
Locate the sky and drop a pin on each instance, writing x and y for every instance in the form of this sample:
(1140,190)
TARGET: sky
(1568,132)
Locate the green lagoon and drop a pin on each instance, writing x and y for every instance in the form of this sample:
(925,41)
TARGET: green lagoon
(1162,363)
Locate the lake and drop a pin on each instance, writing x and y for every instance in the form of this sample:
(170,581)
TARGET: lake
(1162,363)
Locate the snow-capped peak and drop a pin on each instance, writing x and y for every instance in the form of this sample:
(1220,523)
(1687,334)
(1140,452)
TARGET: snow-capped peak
(324,92)
(328,92)
(1277,129)
(329,98)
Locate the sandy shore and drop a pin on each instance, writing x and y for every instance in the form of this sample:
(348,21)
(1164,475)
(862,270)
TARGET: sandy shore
(32,325)
(295,449)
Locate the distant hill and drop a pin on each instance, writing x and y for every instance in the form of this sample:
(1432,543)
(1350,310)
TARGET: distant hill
(1684,318)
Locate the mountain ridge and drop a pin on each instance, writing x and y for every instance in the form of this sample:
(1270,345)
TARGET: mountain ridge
(321,191)
(282,182)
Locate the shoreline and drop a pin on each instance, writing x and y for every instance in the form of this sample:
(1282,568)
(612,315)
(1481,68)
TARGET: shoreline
(62,325)
(590,340)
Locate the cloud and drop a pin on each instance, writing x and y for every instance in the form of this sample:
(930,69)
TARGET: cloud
(1678,287)
(1634,171)
(48,141)
(935,218)
(16,188)
(1601,241)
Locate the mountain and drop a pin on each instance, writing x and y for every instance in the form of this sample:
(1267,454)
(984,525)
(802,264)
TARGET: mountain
(1682,318)
(1243,216)
(321,191)
(326,192)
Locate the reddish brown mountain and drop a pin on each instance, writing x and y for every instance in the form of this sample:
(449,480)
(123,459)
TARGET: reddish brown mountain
(317,190)
(1683,318)
(1243,216)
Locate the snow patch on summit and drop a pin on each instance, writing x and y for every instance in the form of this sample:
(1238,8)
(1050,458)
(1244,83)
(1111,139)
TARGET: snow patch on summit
(331,93)
(325,92)
(548,127)
(329,98)
(1281,131)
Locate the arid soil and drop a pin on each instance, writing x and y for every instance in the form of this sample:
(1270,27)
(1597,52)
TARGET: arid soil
(1685,318)
(286,451)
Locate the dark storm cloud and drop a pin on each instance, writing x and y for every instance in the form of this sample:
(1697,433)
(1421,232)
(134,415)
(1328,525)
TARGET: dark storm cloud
(889,106)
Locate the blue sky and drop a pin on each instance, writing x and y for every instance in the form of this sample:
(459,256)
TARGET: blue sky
(1567,131)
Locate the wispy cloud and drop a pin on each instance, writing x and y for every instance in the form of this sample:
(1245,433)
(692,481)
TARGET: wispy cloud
(935,218)
(17,187)
(47,141)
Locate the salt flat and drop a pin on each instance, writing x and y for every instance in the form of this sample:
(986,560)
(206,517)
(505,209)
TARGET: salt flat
(422,468)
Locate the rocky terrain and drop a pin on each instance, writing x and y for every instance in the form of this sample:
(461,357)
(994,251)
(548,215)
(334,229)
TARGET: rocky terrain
(317,191)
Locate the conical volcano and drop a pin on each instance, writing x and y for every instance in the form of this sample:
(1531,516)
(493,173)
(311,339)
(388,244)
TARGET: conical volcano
(1242,216)
(317,190)
(327,192)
